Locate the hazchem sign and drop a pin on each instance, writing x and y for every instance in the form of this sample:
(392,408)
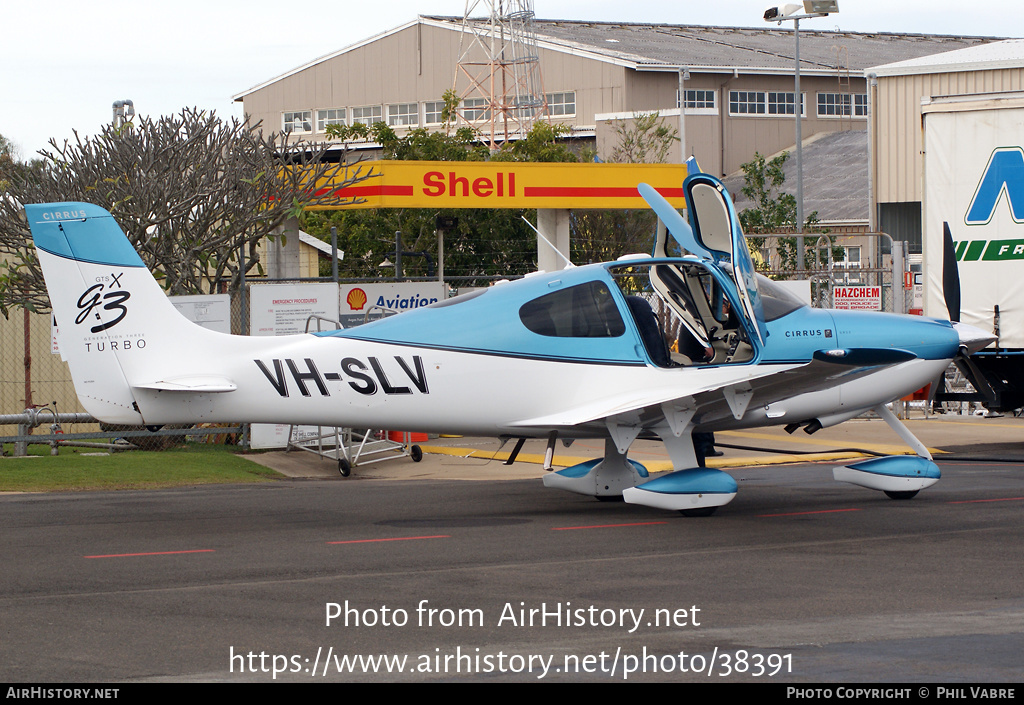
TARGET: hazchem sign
(857,298)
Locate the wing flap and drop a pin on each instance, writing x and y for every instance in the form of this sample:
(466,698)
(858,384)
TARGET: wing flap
(637,399)
(767,383)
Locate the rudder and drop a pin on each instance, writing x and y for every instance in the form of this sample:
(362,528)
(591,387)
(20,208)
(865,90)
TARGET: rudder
(109,310)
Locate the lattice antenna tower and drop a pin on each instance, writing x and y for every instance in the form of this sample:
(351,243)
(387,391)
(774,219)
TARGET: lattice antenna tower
(497,78)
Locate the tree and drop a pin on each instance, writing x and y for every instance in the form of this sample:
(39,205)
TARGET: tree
(191,191)
(543,143)
(483,242)
(775,212)
(602,235)
(490,242)
(645,140)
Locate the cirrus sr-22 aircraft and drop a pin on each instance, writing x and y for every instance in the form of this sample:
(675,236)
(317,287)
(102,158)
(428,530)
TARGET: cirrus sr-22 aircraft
(648,346)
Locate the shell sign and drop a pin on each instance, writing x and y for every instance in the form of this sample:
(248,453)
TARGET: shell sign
(356,299)
(401,184)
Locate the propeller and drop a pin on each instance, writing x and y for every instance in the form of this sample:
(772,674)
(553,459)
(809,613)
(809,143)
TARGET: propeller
(950,275)
(971,339)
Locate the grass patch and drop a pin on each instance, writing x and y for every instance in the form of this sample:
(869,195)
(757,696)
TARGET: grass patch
(190,464)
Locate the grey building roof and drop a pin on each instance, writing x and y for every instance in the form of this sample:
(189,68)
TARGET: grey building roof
(653,47)
(996,55)
(835,177)
(769,48)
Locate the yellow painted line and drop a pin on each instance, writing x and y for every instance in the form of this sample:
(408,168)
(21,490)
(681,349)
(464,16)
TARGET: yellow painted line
(878,447)
(559,460)
(653,466)
(786,459)
(1017,426)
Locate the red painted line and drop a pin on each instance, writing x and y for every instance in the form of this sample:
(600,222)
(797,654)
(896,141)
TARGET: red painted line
(975,501)
(374,190)
(593,192)
(796,514)
(401,538)
(154,553)
(606,526)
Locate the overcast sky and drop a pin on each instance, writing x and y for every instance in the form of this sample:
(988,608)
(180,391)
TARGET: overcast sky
(65,62)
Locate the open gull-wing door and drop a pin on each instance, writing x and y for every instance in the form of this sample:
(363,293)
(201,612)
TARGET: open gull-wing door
(715,235)
(716,227)
(670,221)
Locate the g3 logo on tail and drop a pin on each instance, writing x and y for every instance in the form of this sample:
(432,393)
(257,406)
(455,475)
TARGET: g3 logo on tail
(110,301)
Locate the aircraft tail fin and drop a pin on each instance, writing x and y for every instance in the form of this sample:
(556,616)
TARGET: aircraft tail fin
(115,325)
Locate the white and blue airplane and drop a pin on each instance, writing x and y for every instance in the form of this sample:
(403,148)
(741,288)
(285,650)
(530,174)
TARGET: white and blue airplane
(649,346)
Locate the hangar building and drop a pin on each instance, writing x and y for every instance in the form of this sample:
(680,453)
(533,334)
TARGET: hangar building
(738,82)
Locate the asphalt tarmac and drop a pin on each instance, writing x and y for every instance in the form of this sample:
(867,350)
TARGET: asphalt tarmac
(396,574)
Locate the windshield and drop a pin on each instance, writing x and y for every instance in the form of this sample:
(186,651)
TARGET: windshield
(777,301)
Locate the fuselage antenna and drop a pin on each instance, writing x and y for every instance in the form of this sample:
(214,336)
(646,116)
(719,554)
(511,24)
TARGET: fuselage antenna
(568,263)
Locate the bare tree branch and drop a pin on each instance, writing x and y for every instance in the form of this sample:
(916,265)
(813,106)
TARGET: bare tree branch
(191,191)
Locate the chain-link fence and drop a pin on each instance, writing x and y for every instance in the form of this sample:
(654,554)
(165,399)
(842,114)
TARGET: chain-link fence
(31,373)
(862,271)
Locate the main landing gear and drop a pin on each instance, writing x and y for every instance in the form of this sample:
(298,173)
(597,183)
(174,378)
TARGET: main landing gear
(698,492)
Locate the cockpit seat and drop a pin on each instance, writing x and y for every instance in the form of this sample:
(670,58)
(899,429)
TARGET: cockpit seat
(650,333)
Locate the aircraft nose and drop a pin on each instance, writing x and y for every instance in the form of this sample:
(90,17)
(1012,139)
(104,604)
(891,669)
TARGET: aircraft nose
(972,339)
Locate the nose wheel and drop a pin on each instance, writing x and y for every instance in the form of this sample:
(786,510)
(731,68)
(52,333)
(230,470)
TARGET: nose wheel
(902,495)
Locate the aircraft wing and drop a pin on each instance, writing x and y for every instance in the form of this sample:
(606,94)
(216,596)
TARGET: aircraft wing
(734,387)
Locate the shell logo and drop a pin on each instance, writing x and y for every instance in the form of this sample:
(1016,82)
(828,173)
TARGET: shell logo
(356,299)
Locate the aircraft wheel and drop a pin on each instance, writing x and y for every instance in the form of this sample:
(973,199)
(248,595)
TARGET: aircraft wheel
(700,512)
(909,494)
(344,467)
(609,498)
(416,453)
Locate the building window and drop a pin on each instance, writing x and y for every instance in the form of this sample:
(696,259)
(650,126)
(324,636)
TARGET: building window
(476,109)
(782,104)
(367,114)
(561,103)
(746,103)
(334,116)
(404,114)
(842,105)
(433,112)
(849,271)
(700,102)
(764,103)
(298,122)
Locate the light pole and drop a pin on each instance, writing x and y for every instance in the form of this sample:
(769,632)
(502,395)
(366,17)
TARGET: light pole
(785,13)
(684,76)
(124,111)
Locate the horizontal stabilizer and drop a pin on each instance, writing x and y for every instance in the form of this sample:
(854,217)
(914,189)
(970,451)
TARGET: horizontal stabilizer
(196,385)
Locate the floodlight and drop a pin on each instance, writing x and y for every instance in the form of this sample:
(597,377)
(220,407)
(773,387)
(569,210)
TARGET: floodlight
(823,7)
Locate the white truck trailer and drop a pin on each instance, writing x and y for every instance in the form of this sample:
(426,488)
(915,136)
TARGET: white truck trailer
(974,231)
